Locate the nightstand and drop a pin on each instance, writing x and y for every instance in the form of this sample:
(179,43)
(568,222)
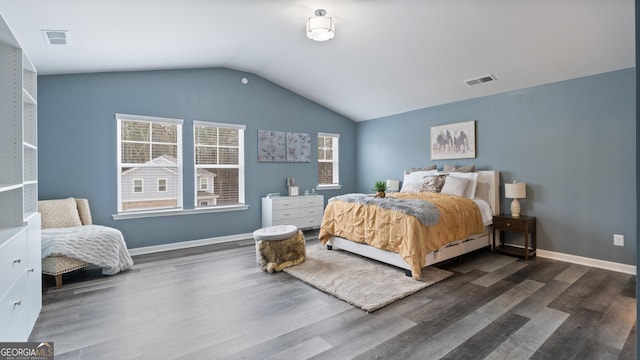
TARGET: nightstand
(525,225)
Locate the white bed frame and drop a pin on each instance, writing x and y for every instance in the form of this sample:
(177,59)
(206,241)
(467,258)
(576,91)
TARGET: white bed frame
(488,189)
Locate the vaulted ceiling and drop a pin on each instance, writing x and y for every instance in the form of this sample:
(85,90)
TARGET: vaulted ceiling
(388,56)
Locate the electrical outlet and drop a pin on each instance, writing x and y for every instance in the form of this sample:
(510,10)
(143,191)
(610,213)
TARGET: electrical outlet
(618,240)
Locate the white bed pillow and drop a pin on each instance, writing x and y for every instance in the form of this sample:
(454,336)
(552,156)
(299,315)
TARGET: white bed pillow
(470,192)
(412,181)
(455,186)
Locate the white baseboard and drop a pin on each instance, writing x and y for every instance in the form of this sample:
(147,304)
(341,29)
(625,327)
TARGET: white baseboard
(189,244)
(601,264)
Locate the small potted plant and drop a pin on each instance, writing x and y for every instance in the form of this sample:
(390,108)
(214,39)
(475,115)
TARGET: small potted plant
(380,187)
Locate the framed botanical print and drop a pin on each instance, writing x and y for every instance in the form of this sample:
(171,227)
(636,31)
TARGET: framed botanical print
(298,147)
(271,146)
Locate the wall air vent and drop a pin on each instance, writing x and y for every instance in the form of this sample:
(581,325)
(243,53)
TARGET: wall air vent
(56,37)
(480,80)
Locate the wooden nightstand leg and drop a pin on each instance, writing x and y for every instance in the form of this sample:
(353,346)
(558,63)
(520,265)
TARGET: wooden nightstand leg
(526,246)
(493,240)
(534,242)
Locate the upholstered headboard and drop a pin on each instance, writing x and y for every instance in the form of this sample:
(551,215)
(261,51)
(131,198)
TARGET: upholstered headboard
(488,188)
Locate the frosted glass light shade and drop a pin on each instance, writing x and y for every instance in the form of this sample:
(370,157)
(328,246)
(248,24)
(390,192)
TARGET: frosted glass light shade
(320,27)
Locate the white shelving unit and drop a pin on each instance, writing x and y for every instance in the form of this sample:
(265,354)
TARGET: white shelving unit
(29,138)
(20,253)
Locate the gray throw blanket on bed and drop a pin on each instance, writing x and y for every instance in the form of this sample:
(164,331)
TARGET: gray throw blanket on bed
(426,212)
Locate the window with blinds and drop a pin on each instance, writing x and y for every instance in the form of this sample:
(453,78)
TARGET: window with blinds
(219,164)
(149,163)
(328,173)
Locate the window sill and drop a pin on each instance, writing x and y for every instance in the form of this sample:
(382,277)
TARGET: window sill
(329,187)
(158,213)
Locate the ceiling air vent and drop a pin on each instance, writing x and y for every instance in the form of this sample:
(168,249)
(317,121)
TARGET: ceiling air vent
(480,80)
(56,37)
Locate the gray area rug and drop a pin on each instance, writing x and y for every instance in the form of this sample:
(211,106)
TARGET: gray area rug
(363,283)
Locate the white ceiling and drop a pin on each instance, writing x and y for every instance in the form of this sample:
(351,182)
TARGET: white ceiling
(388,56)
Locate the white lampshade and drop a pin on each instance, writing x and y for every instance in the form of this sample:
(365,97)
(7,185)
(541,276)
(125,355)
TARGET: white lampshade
(320,27)
(515,191)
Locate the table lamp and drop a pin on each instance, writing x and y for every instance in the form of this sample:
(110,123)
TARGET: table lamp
(515,191)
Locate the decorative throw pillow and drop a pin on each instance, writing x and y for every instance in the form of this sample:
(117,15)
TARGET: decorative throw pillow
(426,168)
(455,186)
(59,213)
(433,183)
(412,182)
(465,168)
(470,192)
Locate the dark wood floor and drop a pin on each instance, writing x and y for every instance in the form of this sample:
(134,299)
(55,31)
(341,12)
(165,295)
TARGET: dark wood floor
(214,302)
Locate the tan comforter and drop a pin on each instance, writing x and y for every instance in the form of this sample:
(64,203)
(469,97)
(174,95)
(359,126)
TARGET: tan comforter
(400,233)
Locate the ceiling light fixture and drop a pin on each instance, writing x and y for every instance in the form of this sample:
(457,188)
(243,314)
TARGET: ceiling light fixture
(321,27)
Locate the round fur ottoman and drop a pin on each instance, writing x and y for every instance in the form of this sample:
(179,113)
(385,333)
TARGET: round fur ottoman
(278,247)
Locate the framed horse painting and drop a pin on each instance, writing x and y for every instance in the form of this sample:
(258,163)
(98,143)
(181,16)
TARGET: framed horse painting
(453,141)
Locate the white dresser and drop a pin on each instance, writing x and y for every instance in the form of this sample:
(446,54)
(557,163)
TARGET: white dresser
(302,211)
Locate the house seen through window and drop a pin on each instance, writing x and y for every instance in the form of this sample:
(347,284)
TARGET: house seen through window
(149,152)
(219,163)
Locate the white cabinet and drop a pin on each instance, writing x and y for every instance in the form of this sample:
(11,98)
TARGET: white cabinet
(302,211)
(20,254)
(20,280)
(34,271)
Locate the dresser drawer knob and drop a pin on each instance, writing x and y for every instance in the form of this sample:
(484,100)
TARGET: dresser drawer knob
(31,270)
(17,261)
(508,224)
(17,303)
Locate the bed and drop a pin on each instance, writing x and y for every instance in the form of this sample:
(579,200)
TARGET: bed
(413,245)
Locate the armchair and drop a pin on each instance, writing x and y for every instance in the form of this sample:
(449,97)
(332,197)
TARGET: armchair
(70,241)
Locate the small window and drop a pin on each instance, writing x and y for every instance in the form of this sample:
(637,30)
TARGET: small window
(204,184)
(137,186)
(162,185)
(328,174)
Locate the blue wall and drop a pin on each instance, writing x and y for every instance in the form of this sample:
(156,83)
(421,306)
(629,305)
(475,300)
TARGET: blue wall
(572,142)
(77,144)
